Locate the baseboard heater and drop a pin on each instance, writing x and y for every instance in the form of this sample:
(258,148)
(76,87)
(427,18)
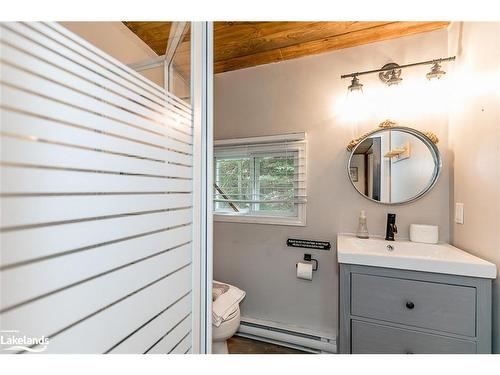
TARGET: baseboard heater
(284,335)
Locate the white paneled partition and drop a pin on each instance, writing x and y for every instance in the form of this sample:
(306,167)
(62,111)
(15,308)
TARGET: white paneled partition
(96,200)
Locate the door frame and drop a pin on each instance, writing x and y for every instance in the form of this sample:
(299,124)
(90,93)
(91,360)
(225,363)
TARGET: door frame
(202,104)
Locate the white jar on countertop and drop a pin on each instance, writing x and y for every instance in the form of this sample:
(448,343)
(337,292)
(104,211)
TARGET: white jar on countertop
(424,233)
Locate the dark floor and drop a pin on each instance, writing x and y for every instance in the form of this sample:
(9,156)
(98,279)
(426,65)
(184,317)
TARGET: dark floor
(241,345)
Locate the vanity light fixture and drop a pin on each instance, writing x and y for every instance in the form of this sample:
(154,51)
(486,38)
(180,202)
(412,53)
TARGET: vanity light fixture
(390,73)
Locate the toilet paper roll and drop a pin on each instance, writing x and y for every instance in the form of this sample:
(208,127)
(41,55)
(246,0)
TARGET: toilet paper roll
(304,271)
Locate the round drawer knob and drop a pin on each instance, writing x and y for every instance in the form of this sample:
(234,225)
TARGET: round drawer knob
(410,305)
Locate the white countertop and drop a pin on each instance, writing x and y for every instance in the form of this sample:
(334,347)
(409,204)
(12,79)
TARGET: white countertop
(438,258)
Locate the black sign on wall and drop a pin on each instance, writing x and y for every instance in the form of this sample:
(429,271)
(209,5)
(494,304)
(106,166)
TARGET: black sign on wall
(308,244)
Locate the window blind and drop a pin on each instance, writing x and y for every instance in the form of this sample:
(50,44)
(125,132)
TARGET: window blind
(260,171)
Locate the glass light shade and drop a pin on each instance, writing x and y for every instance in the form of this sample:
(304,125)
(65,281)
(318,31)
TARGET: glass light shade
(355,85)
(355,105)
(394,79)
(436,72)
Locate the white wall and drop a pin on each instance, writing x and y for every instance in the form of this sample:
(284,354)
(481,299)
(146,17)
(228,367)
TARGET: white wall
(411,175)
(306,94)
(117,40)
(475,143)
(385,168)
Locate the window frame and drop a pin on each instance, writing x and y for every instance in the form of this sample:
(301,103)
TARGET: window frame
(295,143)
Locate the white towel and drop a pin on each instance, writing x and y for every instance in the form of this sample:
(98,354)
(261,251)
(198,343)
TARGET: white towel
(226,304)
(218,290)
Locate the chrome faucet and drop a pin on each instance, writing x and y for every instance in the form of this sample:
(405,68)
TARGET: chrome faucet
(391,228)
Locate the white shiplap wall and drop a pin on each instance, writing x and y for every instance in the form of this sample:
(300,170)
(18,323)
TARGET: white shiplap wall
(96,199)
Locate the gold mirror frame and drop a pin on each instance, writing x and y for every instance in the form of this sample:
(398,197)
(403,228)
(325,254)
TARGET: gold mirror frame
(387,124)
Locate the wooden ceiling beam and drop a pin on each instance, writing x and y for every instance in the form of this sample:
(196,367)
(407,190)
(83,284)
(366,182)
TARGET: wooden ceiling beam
(294,33)
(239,45)
(351,39)
(154,34)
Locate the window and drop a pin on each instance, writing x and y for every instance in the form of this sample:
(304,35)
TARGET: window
(261,180)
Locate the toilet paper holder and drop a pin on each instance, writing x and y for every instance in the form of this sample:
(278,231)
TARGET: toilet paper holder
(309,258)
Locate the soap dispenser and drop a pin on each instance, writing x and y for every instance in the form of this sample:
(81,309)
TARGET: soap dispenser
(362,227)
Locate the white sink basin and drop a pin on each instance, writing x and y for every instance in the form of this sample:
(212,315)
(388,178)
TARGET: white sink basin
(439,258)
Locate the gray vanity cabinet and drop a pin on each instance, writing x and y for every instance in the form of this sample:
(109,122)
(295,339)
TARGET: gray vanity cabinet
(386,310)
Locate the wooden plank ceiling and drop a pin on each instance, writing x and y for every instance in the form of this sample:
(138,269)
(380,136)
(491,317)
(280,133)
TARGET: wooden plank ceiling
(239,45)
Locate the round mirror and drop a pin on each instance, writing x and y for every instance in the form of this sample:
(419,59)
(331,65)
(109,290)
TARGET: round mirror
(394,166)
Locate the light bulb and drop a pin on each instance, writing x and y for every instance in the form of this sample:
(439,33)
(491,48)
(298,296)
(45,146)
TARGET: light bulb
(355,108)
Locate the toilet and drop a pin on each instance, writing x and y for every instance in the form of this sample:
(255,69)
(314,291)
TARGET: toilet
(225,315)
(224,332)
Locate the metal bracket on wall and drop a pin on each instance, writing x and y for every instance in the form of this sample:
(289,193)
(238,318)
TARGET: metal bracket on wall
(309,258)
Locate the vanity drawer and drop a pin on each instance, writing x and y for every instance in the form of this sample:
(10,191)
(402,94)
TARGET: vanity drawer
(369,338)
(441,307)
